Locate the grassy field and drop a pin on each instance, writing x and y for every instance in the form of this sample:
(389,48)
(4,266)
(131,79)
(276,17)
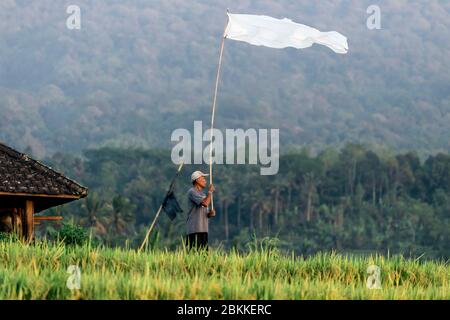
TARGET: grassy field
(39,271)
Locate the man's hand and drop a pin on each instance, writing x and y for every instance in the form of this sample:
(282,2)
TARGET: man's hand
(211,213)
(207,199)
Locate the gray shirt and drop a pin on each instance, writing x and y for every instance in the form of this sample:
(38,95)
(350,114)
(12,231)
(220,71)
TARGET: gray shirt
(197,218)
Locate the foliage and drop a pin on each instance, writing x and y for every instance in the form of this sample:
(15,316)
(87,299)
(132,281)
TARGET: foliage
(72,234)
(349,200)
(8,237)
(137,71)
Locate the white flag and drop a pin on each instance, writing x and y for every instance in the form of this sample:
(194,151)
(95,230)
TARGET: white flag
(280,33)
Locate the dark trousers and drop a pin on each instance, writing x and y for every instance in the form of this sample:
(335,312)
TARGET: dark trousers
(197,240)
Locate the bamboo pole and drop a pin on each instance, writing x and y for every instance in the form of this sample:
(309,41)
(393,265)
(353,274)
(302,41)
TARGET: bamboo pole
(150,229)
(213,112)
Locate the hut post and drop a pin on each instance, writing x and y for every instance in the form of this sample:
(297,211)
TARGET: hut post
(29,220)
(17,221)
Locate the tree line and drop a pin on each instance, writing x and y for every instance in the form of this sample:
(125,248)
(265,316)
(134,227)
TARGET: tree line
(350,200)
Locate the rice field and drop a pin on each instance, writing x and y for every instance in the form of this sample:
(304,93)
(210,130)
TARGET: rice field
(39,271)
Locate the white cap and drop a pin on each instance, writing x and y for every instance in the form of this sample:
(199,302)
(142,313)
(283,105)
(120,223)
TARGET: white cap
(197,174)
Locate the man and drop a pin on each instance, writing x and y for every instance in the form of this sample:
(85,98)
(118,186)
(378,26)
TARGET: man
(198,215)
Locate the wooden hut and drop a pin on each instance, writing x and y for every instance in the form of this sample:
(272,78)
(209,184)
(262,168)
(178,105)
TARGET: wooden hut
(28,187)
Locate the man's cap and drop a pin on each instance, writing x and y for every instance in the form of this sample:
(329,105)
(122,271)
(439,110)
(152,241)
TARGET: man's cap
(197,174)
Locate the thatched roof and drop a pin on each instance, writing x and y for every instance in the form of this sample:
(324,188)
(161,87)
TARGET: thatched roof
(22,176)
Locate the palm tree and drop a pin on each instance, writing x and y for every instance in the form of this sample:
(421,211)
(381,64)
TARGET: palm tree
(121,213)
(310,184)
(93,204)
(278,185)
(226,193)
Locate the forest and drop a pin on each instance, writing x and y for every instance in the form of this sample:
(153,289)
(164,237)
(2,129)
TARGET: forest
(348,200)
(138,70)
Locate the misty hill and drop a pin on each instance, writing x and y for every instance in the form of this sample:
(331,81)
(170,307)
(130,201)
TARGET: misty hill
(139,69)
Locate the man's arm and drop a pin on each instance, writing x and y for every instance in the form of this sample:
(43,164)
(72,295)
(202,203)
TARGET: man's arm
(207,200)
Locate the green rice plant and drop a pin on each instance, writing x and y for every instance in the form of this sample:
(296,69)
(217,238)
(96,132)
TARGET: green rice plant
(39,271)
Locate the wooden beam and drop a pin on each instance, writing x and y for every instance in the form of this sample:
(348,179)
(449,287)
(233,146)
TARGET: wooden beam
(19,222)
(29,218)
(60,196)
(36,223)
(47,218)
